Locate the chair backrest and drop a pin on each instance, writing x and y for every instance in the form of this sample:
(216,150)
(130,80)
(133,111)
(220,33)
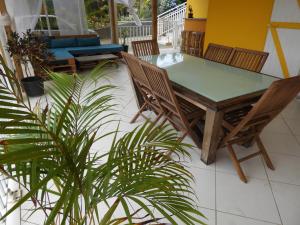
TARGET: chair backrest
(248,59)
(218,53)
(185,40)
(274,100)
(135,69)
(162,89)
(196,44)
(145,47)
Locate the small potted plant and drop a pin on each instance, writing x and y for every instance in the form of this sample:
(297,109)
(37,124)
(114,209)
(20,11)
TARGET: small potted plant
(30,48)
(124,35)
(190,14)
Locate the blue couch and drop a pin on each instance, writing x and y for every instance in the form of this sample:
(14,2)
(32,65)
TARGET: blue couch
(68,48)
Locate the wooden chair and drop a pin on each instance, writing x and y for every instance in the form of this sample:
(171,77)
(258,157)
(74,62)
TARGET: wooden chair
(218,53)
(196,44)
(243,125)
(185,40)
(146,47)
(180,113)
(248,59)
(143,86)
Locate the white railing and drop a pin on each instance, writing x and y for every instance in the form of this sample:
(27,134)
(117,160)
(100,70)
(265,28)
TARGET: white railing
(3,197)
(176,34)
(168,20)
(135,33)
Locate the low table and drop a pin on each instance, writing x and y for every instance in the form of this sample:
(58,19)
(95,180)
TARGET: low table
(91,60)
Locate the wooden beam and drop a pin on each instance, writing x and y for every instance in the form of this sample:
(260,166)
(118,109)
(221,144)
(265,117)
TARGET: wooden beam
(280,52)
(285,25)
(8,31)
(113,21)
(154,20)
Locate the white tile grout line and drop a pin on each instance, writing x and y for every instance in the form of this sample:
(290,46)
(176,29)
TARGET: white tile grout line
(216,214)
(286,154)
(246,217)
(292,132)
(273,194)
(233,214)
(281,182)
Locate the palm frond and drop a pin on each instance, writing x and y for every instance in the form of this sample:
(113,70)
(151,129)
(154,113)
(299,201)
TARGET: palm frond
(47,149)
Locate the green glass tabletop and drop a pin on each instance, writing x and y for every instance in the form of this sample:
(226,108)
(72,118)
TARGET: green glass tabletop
(215,81)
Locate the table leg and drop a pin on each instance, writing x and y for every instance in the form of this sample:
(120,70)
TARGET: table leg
(212,129)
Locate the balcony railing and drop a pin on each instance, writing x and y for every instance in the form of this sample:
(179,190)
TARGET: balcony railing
(135,33)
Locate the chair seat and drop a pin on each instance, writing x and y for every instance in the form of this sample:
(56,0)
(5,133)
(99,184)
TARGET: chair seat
(235,116)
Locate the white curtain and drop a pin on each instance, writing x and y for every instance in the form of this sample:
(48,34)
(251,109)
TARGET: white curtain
(71,16)
(24,14)
(131,10)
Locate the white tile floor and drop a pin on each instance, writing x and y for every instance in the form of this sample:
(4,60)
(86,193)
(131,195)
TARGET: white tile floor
(270,197)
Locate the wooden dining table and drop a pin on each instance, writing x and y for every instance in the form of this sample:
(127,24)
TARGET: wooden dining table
(216,88)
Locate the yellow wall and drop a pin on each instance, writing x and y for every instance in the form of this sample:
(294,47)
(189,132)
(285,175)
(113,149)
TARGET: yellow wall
(200,8)
(238,23)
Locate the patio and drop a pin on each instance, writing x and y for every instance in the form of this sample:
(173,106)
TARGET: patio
(231,85)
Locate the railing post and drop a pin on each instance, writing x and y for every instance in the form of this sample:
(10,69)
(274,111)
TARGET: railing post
(113,21)
(154,20)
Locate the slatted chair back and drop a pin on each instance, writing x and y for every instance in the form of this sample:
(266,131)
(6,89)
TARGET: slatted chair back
(196,44)
(185,40)
(143,87)
(162,89)
(275,99)
(244,127)
(218,53)
(145,47)
(248,59)
(135,69)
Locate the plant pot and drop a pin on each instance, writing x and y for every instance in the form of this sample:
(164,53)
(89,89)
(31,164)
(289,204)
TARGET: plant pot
(125,48)
(33,86)
(190,15)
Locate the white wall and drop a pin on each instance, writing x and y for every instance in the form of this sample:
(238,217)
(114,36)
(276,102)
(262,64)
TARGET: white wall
(284,11)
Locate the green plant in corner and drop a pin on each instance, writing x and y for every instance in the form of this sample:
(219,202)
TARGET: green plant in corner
(30,48)
(47,150)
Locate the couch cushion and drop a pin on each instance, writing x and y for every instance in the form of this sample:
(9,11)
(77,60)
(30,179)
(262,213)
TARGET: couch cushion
(67,53)
(61,53)
(101,49)
(83,42)
(63,43)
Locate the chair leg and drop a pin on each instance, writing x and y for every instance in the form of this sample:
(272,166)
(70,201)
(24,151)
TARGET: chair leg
(180,139)
(157,118)
(139,112)
(236,163)
(264,153)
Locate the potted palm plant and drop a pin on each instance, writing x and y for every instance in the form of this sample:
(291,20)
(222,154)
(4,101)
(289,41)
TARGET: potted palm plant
(47,150)
(124,35)
(30,49)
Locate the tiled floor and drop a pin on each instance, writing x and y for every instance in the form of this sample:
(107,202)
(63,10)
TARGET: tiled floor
(270,197)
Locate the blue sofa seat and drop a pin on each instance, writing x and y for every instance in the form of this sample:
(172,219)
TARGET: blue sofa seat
(61,54)
(64,49)
(101,49)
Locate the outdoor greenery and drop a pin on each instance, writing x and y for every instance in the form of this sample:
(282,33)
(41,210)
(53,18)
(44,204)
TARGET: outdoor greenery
(47,150)
(98,11)
(30,48)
